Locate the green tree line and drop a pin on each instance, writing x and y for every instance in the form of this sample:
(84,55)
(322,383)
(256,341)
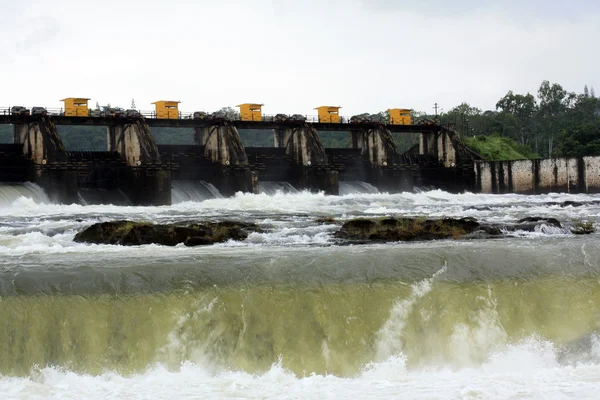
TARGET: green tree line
(553,123)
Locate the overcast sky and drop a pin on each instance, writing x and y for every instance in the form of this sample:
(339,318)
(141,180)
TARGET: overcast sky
(365,55)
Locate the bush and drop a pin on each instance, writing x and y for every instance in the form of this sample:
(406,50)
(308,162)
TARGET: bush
(497,148)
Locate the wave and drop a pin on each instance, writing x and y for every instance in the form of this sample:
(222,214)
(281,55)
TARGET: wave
(272,188)
(11,192)
(103,196)
(319,327)
(353,187)
(528,369)
(195,191)
(488,208)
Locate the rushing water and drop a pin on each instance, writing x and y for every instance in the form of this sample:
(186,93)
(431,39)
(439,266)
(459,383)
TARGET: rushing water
(101,196)
(193,191)
(275,187)
(288,313)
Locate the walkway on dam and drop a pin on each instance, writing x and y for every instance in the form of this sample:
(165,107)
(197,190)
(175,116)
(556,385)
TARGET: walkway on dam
(268,123)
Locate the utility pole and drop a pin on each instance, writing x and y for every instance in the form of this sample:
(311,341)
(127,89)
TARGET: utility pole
(436,107)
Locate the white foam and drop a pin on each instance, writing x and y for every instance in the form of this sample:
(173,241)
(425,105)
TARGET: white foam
(525,370)
(389,338)
(286,217)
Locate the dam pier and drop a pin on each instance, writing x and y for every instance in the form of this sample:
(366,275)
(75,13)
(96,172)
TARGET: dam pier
(135,167)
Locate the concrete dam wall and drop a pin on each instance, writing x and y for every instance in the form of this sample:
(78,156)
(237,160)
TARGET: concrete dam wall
(566,175)
(136,169)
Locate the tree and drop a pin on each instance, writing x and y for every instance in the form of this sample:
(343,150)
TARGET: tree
(586,109)
(463,116)
(554,102)
(230,113)
(519,110)
(580,140)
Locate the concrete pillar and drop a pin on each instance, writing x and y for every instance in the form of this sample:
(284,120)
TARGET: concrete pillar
(303,145)
(40,141)
(278,138)
(446,146)
(43,146)
(145,182)
(231,180)
(134,142)
(310,166)
(223,144)
(394,179)
(379,149)
(60,185)
(146,186)
(428,144)
(376,144)
(319,178)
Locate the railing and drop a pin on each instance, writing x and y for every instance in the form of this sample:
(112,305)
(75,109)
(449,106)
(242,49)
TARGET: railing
(118,112)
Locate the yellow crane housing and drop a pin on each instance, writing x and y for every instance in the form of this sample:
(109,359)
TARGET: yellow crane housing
(329,114)
(167,109)
(76,107)
(250,111)
(400,116)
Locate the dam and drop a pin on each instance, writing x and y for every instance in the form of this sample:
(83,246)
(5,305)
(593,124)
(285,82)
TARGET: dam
(138,169)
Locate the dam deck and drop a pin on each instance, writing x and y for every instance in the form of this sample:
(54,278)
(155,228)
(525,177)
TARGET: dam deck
(201,123)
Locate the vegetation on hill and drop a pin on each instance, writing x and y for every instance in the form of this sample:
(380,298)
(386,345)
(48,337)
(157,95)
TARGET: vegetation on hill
(496,147)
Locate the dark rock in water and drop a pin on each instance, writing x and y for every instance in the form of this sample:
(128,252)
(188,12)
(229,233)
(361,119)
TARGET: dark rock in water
(406,229)
(548,221)
(129,233)
(491,230)
(570,203)
(197,241)
(479,208)
(530,224)
(325,220)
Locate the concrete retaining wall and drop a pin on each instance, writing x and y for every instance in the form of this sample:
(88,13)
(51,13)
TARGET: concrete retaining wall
(565,175)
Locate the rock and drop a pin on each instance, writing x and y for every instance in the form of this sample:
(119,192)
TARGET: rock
(530,224)
(570,203)
(547,221)
(406,229)
(197,241)
(129,233)
(492,230)
(325,220)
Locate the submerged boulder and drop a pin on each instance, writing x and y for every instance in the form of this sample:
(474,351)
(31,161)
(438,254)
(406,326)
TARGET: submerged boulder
(130,233)
(535,221)
(406,229)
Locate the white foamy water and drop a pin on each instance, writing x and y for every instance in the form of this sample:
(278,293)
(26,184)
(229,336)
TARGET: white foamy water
(29,222)
(525,370)
(485,363)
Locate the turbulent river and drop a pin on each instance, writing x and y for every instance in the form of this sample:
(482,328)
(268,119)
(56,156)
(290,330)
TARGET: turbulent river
(289,313)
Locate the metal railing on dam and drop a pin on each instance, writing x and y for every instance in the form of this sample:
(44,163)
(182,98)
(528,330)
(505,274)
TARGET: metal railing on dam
(267,122)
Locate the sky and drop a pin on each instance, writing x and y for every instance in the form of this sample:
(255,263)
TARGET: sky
(292,56)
